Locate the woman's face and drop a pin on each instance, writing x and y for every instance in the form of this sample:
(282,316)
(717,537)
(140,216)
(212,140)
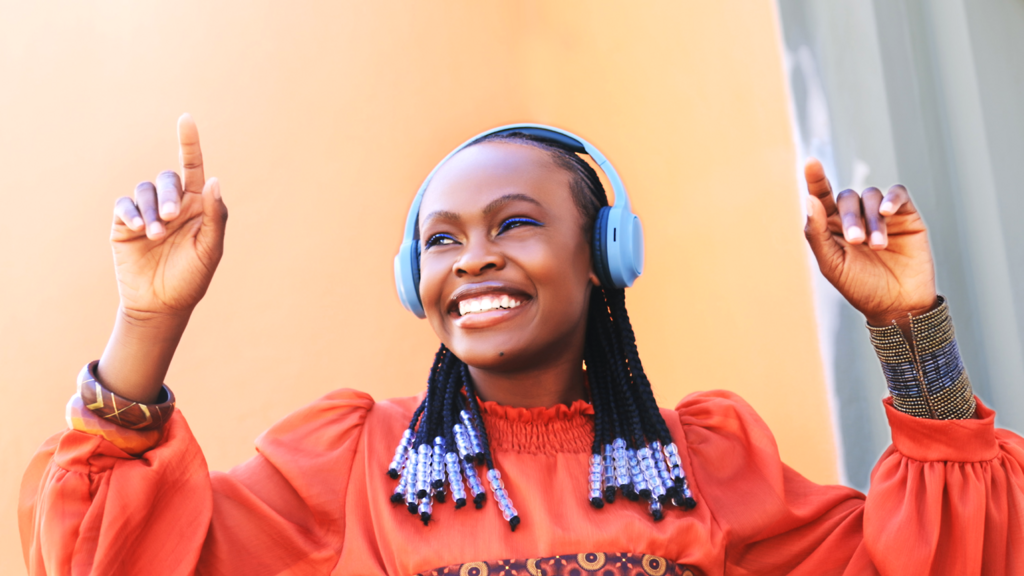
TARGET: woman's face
(505,267)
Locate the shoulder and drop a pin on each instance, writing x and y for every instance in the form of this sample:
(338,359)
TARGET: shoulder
(714,408)
(718,420)
(340,417)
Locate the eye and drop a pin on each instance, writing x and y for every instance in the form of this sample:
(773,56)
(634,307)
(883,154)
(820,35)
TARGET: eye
(516,223)
(439,240)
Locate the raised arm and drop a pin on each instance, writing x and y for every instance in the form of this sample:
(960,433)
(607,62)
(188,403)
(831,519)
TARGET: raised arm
(945,498)
(111,496)
(167,242)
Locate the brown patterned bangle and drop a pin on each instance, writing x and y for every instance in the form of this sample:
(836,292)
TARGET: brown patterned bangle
(121,411)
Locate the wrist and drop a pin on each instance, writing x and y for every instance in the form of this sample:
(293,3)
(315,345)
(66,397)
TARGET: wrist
(135,361)
(900,316)
(169,321)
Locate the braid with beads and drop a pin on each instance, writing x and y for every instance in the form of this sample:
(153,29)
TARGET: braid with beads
(632,452)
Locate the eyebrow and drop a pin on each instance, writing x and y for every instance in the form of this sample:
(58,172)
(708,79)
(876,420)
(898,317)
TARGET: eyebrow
(507,199)
(442,215)
(494,205)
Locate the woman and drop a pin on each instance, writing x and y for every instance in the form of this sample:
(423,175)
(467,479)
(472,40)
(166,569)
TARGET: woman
(615,485)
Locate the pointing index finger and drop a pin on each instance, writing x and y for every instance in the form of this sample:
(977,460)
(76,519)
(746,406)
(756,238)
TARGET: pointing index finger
(819,186)
(190,155)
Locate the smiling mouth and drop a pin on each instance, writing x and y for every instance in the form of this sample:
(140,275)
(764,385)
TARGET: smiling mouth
(488,303)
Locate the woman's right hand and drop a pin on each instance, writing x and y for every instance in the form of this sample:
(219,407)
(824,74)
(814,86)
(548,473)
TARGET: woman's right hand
(167,242)
(169,238)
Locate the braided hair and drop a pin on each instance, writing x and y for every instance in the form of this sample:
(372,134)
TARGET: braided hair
(632,453)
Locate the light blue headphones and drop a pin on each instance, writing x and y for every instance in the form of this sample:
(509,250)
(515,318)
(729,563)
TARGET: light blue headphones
(618,243)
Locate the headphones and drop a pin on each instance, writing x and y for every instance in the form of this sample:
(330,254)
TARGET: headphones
(617,245)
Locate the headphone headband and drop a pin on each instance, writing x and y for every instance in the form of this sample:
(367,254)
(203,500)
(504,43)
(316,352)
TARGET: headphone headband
(618,249)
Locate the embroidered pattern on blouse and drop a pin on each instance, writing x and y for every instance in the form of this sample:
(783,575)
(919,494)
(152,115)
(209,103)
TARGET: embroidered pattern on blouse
(601,563)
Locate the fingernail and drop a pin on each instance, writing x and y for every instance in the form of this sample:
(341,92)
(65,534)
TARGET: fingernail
(154,228)
(854,234)
(216,188)
(877,239)
(810,206)
(137,223)
(168,209)
(886,207)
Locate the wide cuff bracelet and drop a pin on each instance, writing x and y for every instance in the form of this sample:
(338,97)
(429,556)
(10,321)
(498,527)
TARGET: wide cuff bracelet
(926,376)
(121,411)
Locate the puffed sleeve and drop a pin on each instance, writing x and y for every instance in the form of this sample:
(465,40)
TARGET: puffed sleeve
(946,498)
(87,507)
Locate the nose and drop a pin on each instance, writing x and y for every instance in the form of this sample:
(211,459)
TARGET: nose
(478,257)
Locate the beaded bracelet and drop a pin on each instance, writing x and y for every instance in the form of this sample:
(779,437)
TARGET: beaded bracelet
(926,376)
(121,411)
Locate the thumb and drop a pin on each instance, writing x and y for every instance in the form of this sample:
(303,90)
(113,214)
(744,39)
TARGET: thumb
(215,218)
(827,250)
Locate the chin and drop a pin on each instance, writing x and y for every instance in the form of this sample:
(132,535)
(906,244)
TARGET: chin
(491,356)
(504,355)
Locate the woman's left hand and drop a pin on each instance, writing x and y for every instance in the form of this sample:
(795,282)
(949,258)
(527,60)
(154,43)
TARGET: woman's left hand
(872,247)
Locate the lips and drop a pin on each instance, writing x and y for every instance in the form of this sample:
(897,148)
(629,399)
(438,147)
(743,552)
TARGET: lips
(485,304)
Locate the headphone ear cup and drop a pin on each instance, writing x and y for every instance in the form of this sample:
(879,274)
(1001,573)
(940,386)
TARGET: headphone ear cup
(416,269)
(407,277)
(599,248)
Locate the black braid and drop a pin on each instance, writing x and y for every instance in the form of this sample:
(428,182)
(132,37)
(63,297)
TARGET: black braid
(431,402)
(416,415)
(450,414)
(618,309)
(637,381)
(441,425)
(438,357)
(474,405)
(437,415)
(598,397)
(624,398)
(434,383)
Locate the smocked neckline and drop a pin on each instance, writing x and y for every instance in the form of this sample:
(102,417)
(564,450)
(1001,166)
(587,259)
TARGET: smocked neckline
(540,430)
(538,414)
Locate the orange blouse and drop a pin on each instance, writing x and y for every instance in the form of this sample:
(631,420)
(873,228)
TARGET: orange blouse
(946,498)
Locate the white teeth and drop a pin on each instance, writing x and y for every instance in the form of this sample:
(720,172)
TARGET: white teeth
(487,303)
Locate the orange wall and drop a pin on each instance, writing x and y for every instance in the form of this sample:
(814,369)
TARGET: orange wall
(321,119)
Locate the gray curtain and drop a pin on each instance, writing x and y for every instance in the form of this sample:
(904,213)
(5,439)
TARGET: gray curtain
(930,94)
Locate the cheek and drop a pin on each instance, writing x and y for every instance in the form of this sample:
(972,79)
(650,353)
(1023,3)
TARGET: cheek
(560,271)
(434,272)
